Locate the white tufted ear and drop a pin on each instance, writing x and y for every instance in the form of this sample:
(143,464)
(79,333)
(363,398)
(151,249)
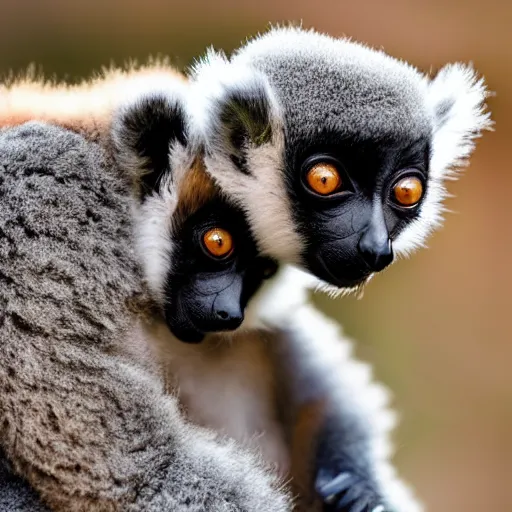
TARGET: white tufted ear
(456,98)
(149,133)
(456,101)
(238,121)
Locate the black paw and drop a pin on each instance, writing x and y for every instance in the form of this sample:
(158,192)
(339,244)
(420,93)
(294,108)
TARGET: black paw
(347,492)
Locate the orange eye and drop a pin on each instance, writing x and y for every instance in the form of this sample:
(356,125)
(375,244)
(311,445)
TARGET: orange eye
(218,242)
(324,178)
(408,191)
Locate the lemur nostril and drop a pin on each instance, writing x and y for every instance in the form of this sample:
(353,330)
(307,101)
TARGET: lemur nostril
(223,315)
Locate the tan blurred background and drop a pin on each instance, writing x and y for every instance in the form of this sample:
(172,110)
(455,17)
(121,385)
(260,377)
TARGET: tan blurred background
(436,327)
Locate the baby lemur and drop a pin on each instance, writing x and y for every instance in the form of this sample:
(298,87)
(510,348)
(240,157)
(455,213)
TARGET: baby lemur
(84,416)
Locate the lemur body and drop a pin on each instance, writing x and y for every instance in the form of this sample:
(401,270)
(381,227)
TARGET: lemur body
(304,400)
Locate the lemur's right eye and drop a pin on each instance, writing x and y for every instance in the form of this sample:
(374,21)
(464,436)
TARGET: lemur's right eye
(218,243)
(324,178)
(408,191)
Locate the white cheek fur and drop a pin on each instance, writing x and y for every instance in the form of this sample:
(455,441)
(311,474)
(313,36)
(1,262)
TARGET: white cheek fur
(153,238)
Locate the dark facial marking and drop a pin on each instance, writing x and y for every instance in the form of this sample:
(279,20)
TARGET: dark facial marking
(207,291)
(350,232)
(244,120)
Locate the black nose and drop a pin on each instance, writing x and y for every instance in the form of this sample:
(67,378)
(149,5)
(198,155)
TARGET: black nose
(227,315)
(376,251)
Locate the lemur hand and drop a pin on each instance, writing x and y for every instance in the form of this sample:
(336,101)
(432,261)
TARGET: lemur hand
(347,492)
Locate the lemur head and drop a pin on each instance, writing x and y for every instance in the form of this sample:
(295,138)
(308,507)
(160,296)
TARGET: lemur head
(336,151)
(199,259)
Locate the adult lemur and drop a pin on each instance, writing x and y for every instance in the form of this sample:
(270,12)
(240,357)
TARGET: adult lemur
(83,413)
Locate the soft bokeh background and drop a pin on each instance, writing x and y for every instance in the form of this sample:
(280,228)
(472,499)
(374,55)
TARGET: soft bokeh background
(437,327)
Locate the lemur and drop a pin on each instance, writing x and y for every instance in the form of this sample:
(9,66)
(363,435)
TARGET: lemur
(84,415)
(248,138)
(337,152)
(288,373)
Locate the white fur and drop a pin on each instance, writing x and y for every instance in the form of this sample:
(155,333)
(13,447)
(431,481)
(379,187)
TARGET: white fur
(453,141)
(227,387)
(263,192)
(153,224)
(153,218)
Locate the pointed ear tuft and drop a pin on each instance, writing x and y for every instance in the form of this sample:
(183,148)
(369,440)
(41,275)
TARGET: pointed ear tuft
(456,98)
(144,132)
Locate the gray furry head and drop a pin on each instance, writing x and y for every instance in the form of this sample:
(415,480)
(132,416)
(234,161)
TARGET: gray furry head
(377,116)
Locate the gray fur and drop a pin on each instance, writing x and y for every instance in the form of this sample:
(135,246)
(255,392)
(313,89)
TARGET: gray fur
(339,85)
(15,494)
(82,418)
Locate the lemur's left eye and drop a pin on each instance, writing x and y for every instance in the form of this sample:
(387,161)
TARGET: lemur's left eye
(408,191)
(324,178)
(218,243)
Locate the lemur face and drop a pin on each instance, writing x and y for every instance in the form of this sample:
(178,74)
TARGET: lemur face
(196,250)
(337,152)
(352,199)
(215,270)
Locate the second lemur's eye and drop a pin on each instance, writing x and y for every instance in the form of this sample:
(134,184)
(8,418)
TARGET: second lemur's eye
(408,191)
(218,243)
(324,178)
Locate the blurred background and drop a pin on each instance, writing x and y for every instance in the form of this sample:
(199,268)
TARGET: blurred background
(438,327)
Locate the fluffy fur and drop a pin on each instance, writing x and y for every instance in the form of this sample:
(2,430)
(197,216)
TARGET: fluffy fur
(15,494)
(317,85)
(84,417)
(285,381)
(256,384)
(264,186)
(86,107)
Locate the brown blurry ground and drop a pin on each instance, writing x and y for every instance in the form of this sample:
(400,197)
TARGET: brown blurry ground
(436,327)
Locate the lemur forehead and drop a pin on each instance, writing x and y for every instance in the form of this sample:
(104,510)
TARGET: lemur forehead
(339,85)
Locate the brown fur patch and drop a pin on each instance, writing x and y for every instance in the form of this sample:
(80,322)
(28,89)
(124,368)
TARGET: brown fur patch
(305,431)
(195,190)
